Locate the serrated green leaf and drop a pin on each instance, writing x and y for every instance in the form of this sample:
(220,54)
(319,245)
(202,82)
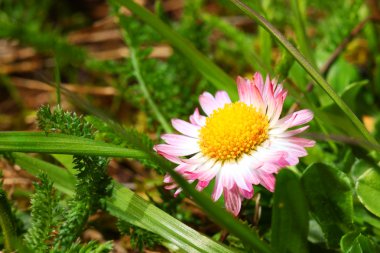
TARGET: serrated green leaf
(368,190)
(290,219)
(329,195)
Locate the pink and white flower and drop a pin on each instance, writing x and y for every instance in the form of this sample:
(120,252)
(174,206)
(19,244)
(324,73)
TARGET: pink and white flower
(240,144)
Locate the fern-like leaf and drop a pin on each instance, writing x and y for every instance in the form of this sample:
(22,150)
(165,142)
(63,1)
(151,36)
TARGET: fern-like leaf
(45,215)
(93,183)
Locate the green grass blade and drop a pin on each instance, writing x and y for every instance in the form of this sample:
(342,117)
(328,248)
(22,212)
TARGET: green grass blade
(320,81)
(204,65)
(129,207)
(300,30)
(146,215)
(61,144)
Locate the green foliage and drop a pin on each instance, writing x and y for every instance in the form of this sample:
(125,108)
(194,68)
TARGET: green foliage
(355,242)
(93,183)
(91,247)
(290,219)
(45,216)
(329,194)
(63,122)
(125,137)
(342,196)
(7,223)
(75,220)
(368,189)
(161,77)
(25,20)
(243,45)
(128,206)
(140,238)
(345,16)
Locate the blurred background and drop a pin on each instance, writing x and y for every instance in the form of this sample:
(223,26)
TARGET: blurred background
(86,46)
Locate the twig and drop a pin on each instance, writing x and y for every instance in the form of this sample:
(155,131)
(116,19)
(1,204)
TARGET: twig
(373,6)
(326,67)
(343,138)
(76,88)
(334,56)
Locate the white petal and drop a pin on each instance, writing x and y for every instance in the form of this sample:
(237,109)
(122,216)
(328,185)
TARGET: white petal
(176,150)
(186,128)
(197,119)
(179,140)
(227,177)
(293,132)
(232,200)
(222,98)
(218,188)
(208,103)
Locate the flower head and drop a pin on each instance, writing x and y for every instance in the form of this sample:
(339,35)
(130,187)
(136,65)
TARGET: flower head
(240,144)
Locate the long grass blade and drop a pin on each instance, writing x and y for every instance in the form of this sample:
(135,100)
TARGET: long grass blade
(62,144)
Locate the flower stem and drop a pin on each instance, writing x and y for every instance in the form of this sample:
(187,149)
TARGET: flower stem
(137,70)
(6,223)
(57,77)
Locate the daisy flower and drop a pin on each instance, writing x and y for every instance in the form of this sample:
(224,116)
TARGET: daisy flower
(240,144)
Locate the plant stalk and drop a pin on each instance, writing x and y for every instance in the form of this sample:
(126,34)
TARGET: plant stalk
(136,66)
(6,223)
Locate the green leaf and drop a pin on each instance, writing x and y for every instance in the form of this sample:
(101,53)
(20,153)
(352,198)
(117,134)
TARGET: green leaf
(329,194)
(342,124)
(66,161)
(314,73)
(129,207)
(355,242)
(205,66)
(339,124)
(364,217)
(62,179)
(61,144)
(368,190)
(351,91)
(290,219)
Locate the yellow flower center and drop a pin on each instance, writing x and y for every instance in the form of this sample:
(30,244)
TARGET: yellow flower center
(232,131)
